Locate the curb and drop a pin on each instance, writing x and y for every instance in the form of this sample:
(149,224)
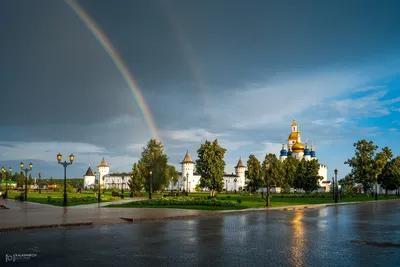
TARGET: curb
(45,226)
(133,220)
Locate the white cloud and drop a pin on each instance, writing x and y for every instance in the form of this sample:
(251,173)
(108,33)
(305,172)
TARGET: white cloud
(192,135)
(369,88)
(84,153)
(233,145)
(372,105)
(267,148)
(262,104)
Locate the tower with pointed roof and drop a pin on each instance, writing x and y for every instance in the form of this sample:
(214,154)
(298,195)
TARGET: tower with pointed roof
(186,179)
(240,173)
(103,169)
(89,179)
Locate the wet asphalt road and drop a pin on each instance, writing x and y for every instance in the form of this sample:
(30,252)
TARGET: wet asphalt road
(351,235)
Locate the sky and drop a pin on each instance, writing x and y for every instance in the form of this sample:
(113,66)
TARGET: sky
(234,70)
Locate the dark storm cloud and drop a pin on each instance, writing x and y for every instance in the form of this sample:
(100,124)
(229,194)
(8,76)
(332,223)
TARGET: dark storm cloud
(188,58)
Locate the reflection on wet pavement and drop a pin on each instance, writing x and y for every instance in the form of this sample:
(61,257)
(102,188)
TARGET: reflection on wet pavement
(351,235)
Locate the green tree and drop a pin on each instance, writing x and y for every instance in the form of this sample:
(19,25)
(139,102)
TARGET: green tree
(390,176)
(307,177)
(153,159)
(136,180)
(197,188)
(210,165)
(171,175)
(253,173)
(272,171)
(289,166)
(363,164)
(21,179)
(381,160)
(30,180)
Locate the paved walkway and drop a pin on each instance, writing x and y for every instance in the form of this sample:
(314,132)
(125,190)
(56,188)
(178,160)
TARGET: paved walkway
(28,214)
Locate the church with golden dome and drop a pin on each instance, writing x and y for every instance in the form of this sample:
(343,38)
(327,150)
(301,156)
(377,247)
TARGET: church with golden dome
(296,149)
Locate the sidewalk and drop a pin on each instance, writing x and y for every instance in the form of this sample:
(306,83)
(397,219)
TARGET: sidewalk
(24,215)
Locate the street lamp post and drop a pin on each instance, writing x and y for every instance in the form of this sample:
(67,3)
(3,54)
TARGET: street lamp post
(150,183)
(26,170)
(333,188)
(5,173)
(99,196)
(40,177)
(65,164)
(184,182)
(336,188)
(123,178)
(376,187)
(226,186)
(268,195)
(187,182)
(235,184)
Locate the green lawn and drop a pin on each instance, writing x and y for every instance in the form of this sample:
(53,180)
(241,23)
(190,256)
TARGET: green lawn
(255,201)
(74,198)
(247,201)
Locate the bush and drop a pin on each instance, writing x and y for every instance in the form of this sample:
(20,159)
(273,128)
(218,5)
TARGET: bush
(239,201)
(187,201)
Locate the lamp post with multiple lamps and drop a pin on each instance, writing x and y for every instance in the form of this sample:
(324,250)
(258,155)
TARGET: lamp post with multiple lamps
(235,184)
(26,170)
(65,165)
(5,173)
(336,187)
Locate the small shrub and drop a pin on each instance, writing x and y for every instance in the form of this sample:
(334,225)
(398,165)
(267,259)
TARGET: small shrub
(228,197)
(239,201)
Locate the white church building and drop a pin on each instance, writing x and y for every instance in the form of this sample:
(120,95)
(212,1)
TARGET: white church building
(107,180)
(188,178)
(297,150)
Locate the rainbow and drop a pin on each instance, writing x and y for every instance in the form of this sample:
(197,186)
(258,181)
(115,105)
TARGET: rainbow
(112,52)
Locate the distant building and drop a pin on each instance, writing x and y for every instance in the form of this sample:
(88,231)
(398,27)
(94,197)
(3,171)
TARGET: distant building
(89,179)
(297,150)
(188,178)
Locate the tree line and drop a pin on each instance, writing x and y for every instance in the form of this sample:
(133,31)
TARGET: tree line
(19,178)
(370,167)
(211,165)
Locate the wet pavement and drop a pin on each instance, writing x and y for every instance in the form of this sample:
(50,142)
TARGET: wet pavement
(23,214)
(350,235)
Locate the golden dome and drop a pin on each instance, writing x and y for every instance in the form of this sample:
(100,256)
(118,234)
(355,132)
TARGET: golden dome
(294,123)
(293,136)
(298,147)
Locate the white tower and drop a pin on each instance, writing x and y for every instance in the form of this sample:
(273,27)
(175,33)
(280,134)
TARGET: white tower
(307,152)
(284,153)
(88,179)
(103,169)
(187,173)
(240,173)
(298,147)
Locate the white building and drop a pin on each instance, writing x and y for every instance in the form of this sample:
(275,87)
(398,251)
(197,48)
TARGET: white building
(296,149)
(188,178)
(89,179)
(110,180)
